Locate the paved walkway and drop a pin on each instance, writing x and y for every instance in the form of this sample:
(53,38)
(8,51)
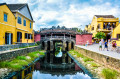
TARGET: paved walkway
(95,48)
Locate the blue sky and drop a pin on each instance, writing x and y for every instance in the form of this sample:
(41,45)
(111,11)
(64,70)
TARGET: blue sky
(69,13)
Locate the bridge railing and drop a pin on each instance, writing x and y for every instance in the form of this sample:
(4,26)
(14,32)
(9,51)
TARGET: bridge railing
(48,37)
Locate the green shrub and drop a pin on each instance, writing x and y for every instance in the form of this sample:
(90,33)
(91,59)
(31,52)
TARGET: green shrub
(93,64)
(4,64)
(15,66)
(21,57)
(38,42)
(109,74)
(33,55)
(85,59)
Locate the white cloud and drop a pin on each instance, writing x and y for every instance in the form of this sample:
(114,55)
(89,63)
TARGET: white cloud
(67,13)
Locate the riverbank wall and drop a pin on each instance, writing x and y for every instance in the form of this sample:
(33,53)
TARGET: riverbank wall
(10,54)
(107,61)
(15,46)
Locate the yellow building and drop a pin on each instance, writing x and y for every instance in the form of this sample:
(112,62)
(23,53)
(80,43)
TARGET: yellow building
(16,24)
(103,23)
(7,25)
(24,22)
(116,35)
(24,74)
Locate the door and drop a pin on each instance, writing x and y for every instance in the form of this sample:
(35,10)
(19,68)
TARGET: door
(8,38)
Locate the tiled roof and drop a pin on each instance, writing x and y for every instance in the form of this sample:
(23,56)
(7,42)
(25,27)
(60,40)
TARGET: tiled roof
(105,16)
(15,6)
(2,4)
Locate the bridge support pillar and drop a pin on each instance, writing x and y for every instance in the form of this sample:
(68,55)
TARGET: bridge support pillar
(51,51)
(69,45)
(63,58)
(69,59)
(51,57)
(64,51)
(45,61)
(45,45)
(51,46)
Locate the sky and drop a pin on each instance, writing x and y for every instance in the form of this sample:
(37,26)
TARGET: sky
(68,13)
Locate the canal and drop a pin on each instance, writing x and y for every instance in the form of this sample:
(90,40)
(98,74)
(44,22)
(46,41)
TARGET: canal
(56,70)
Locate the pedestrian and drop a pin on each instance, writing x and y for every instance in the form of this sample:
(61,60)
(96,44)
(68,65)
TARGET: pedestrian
(87,43)
(106,45)
(114,45)
(109,44)
(100,45)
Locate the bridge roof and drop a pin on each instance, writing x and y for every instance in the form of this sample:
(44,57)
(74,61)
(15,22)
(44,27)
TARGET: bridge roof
(58,31)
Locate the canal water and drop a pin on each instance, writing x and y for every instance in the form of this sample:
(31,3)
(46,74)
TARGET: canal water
(41,70)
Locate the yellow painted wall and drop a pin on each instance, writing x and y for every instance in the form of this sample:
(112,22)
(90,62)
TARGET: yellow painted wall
(11,26)
(96,21)
(114,34)
(24,29)
(8,26)
(94,24)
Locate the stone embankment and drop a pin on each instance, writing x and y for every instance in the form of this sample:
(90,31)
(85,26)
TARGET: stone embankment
(105,60)
(10,54)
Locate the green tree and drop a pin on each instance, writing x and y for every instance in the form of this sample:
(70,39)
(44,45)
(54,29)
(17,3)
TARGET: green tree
(100,35)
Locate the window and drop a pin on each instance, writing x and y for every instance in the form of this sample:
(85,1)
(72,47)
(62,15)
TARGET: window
(5,17)
(24,22)
(98,26)
(19,20)
(92,28)
(118,36)
(30,25)
(26,36)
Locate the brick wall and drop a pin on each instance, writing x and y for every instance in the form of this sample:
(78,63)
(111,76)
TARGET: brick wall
(37,37)
(81,39)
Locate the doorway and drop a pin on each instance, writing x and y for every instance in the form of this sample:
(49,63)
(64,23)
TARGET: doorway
(19,37)
(8,38)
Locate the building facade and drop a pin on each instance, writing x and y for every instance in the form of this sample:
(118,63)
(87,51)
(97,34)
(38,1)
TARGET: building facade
(16,24)
(7,25)
(116,35)
(103,23)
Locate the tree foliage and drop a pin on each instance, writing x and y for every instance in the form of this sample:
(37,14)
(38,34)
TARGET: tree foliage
(100,35)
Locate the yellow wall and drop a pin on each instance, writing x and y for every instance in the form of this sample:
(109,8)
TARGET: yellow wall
(100,21)
(114,34)
(11,26)
(24,29)
(8,26)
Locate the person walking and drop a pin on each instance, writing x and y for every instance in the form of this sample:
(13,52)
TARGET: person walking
(106,45)
(109,44)
(100,45)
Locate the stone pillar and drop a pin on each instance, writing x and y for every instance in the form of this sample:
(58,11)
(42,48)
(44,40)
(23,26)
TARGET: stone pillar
(64,36)
(64,51)
(70,36)
(45,61)
(63,58)
(51,51)
(45,45)
(64,46)
(51,35)
(51,57)
(51,46)
(69,45)
(69,59)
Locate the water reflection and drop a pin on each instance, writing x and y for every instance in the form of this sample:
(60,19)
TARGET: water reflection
(77,75)
(59,54)
(41,70)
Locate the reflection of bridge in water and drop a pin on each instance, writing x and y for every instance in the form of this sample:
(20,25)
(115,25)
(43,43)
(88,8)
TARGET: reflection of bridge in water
(49,37)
